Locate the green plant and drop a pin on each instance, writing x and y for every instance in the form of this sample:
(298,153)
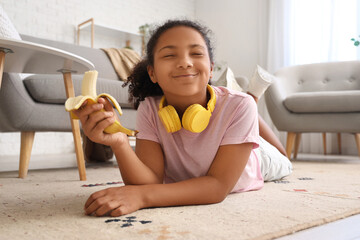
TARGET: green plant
(143,29)
(356,41)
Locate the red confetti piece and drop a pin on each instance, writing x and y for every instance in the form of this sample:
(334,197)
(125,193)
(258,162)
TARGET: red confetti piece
(300,190)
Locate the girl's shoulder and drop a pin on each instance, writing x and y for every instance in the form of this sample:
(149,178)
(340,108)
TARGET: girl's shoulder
(226,94)
(231,101)
(150,104)
(151,101)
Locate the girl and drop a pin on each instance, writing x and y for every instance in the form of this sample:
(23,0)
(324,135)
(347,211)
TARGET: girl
(213,152)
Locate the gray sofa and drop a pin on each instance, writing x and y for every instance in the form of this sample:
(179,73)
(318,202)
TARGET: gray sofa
(36,103)
(40,98)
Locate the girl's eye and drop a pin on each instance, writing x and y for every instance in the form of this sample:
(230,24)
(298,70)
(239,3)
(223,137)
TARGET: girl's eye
(197,54)
(169,55)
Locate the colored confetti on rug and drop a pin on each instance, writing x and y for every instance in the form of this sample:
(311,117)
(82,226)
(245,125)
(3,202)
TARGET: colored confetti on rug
(101,184)
(281,181)
(300,190)
(305,178)
(127,222)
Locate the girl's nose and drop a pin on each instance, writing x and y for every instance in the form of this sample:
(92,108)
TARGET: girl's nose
(185,62)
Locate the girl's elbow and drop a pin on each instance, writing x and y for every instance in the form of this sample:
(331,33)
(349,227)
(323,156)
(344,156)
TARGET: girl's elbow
(217,198)
(220,198)
(220,193)
(143,182)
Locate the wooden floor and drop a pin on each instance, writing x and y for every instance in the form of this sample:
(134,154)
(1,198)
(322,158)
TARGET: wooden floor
(344,229)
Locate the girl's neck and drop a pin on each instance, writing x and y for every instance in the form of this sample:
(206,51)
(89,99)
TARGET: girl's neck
(181,103)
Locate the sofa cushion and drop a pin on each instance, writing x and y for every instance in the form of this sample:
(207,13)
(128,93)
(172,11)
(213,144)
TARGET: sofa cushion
(324,102)
(50,88)
(228,80)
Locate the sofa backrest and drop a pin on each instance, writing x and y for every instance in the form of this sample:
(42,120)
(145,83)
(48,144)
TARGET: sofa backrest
(329,76)
(97,56)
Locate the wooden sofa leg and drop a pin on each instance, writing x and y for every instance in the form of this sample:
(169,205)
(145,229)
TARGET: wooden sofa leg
(324,142)
(290,143)
(27,140)
(357,139)
(297,144)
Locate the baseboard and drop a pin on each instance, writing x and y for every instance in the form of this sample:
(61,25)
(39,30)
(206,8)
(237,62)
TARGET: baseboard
(11,163)
(45,161)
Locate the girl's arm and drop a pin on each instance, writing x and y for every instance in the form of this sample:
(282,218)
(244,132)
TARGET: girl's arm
(267,134)
(133,170)
(222,176)
(148,170)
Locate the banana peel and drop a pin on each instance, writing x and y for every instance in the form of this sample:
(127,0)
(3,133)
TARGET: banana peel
(88,91)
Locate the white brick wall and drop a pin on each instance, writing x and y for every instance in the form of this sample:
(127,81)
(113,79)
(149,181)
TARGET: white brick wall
(57,20)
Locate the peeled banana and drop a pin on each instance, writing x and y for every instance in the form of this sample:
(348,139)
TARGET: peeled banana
(88,91)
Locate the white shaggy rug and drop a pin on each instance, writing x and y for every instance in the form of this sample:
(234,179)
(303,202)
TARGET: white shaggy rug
(48,204)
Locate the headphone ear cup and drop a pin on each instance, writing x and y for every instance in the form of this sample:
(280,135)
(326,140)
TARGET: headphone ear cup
(196,118)
(170,119)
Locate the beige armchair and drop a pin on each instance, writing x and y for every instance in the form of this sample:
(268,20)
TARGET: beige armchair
(321,97)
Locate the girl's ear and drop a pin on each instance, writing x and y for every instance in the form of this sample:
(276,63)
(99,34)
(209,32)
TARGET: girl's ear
(211,70)
(151,73)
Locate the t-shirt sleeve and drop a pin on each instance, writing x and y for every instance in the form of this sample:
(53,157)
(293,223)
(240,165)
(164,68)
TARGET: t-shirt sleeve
(244,126)
(146,122)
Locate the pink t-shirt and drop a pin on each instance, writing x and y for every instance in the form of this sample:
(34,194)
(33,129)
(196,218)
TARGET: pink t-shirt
(189,155)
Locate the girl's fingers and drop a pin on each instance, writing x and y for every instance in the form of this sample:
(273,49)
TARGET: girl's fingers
(96,205)
(121,210)
(104,123)
(92,208)
(95,196)
(107,105)
(106,208)
(92,126)
(85,110)
(97,117)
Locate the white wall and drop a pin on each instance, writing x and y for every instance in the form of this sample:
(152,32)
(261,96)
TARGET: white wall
(57,20)
(238,28)
(241,32)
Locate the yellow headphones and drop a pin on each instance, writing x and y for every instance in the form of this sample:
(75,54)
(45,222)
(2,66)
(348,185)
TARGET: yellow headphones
(195,118)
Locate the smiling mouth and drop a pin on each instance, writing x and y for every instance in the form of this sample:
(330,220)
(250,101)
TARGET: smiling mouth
(186,75)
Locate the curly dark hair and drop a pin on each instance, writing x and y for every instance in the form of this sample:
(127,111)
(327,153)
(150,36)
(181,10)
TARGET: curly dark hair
(140,84)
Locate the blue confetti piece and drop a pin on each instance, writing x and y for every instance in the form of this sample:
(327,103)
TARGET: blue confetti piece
(145,222)
(126,225)
(128,221)
(306,178)
(281,181)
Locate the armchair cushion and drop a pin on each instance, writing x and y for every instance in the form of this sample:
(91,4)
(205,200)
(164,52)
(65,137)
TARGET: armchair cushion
(323,102)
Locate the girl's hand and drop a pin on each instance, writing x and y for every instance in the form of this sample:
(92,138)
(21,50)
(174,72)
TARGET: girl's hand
(115,201)
(94,122)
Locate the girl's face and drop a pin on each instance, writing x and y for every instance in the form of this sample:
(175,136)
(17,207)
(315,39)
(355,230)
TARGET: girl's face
(182,65)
